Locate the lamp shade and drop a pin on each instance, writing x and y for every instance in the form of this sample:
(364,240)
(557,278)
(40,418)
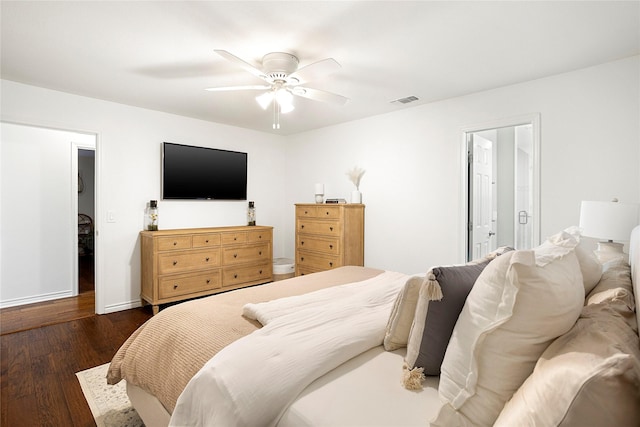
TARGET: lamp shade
(608,220)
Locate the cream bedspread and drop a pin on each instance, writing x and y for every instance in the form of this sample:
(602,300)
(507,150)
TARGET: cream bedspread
(170,348)
(305,337)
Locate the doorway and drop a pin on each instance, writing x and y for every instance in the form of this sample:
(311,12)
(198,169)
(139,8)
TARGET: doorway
(501,194)
(39,212)
(86,220)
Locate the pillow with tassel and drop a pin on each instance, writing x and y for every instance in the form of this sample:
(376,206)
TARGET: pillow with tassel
(439,304)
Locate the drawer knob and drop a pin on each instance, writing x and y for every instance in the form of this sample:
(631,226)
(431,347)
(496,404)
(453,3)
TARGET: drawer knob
(260,236)
(302,226)
(235,276)
(330,246)
(208,281)
(235,255)
(330,228)
(260,253)
(207,259)
(235,238)
(260,271)
(175,243)
(327,212)
(306,212)
(302,243)
(330,264)
(175,286)
(206,241)
(301,258)
(175,262)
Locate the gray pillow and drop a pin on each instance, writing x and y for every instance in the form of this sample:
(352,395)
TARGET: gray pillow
(434,320)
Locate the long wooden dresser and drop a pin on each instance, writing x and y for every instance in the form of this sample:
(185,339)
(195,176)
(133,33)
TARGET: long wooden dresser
(187,263)
(328,236)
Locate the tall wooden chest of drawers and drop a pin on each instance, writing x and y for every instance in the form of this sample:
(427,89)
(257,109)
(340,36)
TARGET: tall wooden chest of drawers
(188,263)
(328,236)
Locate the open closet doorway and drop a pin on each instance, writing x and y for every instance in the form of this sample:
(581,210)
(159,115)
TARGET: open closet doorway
(501,197)
(86,220)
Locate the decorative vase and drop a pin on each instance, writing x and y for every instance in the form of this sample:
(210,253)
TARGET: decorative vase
(356,196)
(319,198)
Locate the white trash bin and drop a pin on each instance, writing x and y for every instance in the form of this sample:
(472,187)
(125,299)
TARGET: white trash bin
(283,268)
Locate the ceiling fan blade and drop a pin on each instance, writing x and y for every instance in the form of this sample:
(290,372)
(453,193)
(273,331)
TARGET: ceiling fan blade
(316,70)
(248,67)
(320,95)
(228,88)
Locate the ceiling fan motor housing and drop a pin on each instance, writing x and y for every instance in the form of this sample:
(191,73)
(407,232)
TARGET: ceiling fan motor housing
(278,65)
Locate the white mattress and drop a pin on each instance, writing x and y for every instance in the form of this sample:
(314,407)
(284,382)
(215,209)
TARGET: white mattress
(365,391)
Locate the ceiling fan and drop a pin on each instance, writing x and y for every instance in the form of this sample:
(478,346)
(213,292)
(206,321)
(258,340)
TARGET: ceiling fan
(283,80)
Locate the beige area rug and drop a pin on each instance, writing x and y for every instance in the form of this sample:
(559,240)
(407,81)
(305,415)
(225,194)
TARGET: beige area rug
(109,404)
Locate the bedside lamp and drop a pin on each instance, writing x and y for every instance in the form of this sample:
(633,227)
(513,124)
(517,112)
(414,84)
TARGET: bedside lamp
(612,221)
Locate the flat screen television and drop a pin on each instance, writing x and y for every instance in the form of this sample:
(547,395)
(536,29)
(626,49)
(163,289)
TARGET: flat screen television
(199,173)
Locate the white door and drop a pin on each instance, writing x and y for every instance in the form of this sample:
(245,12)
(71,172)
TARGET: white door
(481,235)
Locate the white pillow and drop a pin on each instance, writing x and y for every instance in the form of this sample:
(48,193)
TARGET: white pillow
(590,266)
(401,318)
(521,302)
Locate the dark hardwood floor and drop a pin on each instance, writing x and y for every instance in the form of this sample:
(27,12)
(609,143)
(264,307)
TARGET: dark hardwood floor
(38,361)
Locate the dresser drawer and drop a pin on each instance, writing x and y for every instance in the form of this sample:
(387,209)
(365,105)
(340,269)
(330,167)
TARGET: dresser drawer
(234,238)
(258,236)
(170,243)
(188,260)
(206,240)
(239,255)
(330,212)
(306,211)
(314,261)
(315,244)
(170,287)
(255,273)
(315,226)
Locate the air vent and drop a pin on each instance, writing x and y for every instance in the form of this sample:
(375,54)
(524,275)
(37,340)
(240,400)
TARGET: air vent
(406,100)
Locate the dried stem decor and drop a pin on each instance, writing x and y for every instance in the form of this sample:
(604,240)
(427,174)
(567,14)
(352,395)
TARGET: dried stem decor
(355,175)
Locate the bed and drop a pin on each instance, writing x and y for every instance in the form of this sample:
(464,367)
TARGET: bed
(356,346)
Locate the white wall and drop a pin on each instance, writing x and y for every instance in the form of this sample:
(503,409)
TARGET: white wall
(412,186)
(38,214)
(128,175)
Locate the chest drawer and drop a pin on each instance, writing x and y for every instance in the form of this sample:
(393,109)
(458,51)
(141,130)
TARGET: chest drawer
(189,260)
(312,243)
(206,240)
(188,284)
(317,262)
(331,212)
(306,211)
(314,226)
(239,255)
(235,275)
(170,243)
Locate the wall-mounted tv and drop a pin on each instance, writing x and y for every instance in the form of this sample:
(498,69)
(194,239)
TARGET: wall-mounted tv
(202,173)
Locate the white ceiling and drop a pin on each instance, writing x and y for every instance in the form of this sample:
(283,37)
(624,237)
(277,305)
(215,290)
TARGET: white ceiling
(160,54)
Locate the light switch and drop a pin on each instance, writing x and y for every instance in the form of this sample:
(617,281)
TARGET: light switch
(111,216)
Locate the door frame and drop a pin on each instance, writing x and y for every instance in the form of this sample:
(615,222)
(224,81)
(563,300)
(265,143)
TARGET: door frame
(532,119)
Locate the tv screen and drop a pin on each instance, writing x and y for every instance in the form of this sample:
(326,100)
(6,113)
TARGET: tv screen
(203,173)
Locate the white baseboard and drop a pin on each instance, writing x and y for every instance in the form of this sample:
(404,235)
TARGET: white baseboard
(112,308)
(35,298)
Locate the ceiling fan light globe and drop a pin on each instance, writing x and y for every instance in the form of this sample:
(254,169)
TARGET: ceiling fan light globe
(286,108)
(264,100)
